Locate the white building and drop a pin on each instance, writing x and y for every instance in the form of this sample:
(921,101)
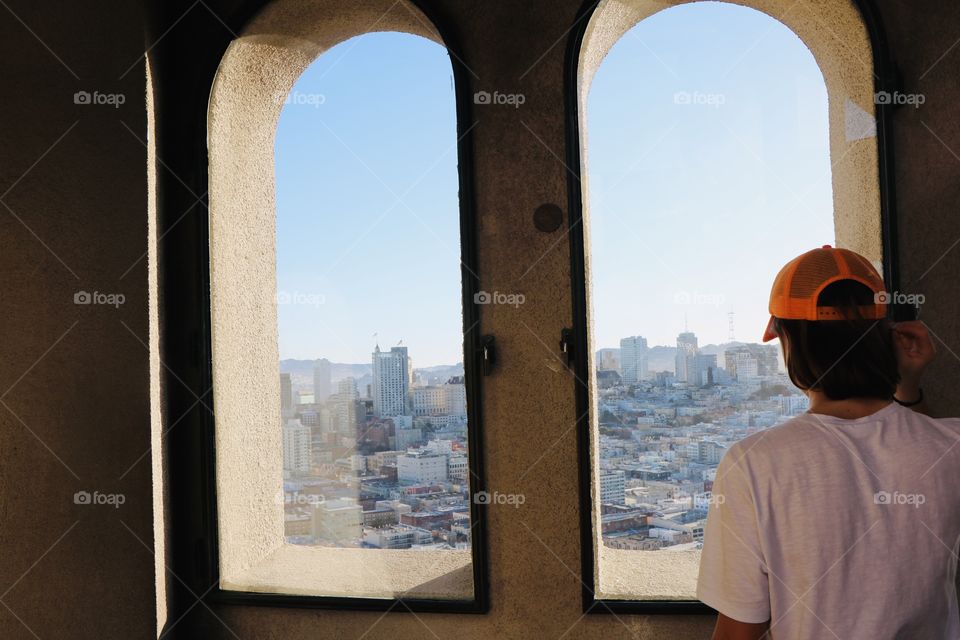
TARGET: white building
(443,399)
(339,520)
(286,396)
(458,468)
(421,467)
(396,537)
(296,448)
(322,387)
(612,487)
(633,359)
(391,381)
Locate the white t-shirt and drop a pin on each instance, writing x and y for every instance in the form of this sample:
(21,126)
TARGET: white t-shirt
(834,528)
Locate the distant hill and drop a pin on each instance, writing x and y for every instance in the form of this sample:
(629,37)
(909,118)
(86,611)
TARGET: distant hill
(301,373)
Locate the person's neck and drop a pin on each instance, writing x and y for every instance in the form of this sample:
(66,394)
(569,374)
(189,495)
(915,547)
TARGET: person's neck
(849,409)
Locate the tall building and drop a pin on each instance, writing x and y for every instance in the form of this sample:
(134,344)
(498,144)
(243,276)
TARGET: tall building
(612,487)
(686,346)
(608,360)
(296,448)
(343,407)
(391,382)
(286,395)
(633,359)
(701,369)
(322,387)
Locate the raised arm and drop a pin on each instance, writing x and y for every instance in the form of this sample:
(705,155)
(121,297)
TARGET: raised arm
(915,350)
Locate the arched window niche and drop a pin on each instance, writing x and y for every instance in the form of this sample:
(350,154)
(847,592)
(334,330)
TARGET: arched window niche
(255,78)
(836,35)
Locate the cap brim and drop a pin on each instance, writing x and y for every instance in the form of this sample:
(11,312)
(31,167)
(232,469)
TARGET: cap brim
(769,334)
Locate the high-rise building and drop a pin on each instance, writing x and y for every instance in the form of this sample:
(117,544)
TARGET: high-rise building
(296,448)
(686,346)
(612,487)
(343,407)
(286,396)
(633,359)
(608,360)
(701,369)
(322,387)
(391,382)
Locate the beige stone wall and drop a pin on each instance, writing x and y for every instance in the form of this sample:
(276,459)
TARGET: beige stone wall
(74,379)
(87,398)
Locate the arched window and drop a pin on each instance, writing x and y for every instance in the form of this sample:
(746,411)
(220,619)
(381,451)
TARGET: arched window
(343,369)
(718,142)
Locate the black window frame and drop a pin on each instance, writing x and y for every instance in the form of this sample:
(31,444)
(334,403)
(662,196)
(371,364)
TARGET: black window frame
(885,79)
(184,63)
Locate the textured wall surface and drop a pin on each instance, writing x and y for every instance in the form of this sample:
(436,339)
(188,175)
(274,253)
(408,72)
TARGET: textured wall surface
(75,379)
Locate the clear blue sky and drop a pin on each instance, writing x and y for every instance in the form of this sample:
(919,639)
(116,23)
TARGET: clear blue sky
(687,201)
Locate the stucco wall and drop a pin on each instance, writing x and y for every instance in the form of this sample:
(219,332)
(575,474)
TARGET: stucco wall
(74,379)
(88,399)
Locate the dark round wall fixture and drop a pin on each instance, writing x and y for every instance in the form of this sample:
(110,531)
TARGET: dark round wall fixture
(547,218)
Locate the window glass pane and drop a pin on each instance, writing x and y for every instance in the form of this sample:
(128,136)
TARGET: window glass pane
(373,402)
(709,168)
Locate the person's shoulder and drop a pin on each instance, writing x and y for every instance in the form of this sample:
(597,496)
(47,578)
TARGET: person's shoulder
(788,433)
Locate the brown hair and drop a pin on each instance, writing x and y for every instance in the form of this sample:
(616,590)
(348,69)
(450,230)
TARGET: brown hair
(849,358)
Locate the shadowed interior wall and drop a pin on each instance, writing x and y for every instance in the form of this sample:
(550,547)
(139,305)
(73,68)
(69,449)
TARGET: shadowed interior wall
(88,397)
(74,378)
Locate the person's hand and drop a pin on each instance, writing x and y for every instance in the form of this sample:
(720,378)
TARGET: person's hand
(914,350)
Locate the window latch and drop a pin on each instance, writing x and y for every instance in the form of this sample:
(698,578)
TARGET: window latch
(488,354)
(566,345)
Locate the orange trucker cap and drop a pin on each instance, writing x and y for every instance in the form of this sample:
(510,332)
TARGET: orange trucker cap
(799,283)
